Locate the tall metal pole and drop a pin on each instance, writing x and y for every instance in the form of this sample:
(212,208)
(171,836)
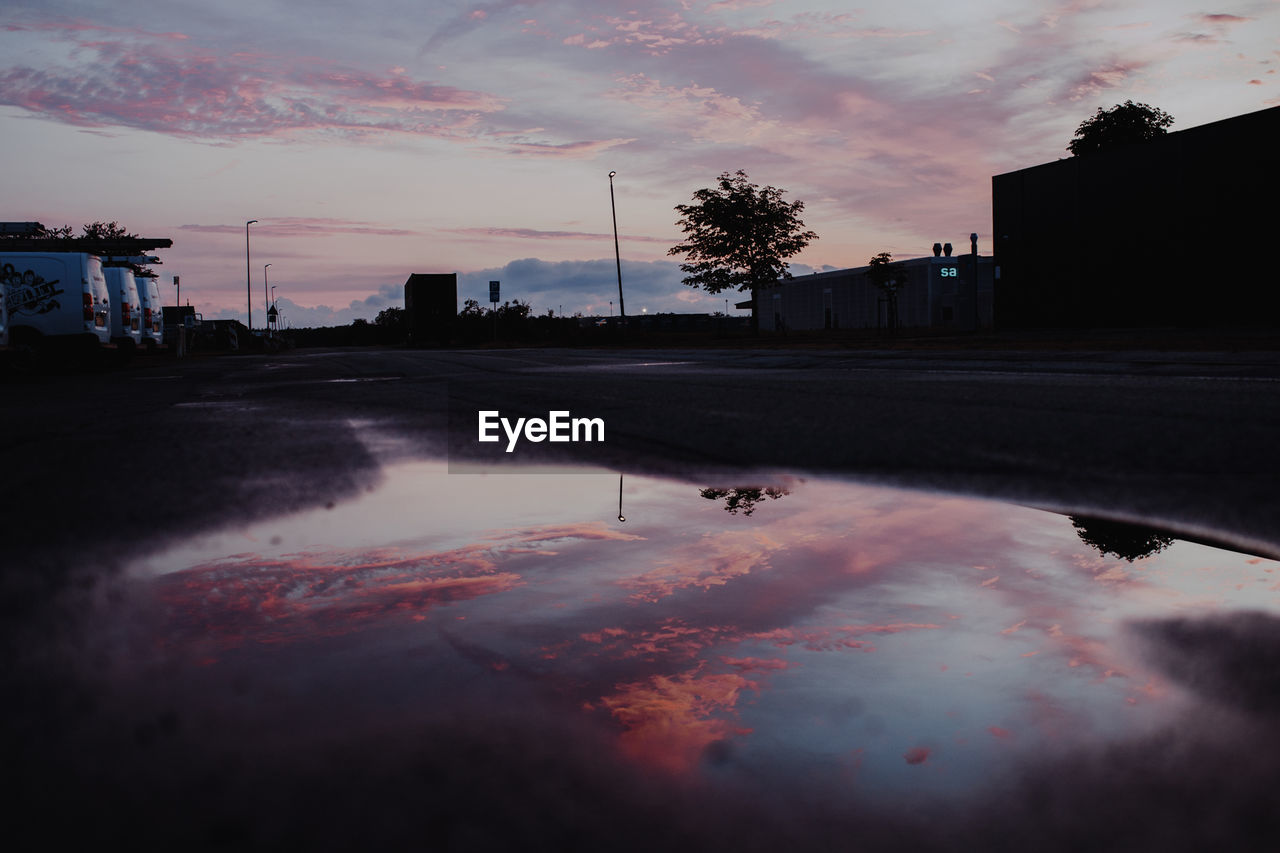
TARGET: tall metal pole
(617,254)
(266,303)
(248,275)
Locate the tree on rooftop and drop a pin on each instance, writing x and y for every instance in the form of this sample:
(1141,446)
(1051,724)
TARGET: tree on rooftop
(1123,124)
(890,278)
(738,236)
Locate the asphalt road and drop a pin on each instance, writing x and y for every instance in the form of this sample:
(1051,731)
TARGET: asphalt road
(1182,441)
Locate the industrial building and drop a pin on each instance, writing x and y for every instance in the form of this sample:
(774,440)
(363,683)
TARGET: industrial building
(1174,231)
(938,291)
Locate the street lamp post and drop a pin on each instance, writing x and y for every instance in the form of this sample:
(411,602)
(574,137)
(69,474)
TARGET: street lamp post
(266,303)
(248,275)
(622,306)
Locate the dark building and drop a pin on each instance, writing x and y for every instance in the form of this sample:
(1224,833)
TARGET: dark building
(1175,231)
(936,292)
(431,306)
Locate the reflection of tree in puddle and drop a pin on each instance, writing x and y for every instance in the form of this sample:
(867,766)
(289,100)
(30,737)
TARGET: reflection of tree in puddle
(1121,539)
(743,498)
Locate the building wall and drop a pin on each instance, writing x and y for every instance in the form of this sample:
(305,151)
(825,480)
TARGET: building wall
(849,299)
(1163,233)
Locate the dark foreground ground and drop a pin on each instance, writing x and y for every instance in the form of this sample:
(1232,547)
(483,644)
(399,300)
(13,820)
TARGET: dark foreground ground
(1182,441)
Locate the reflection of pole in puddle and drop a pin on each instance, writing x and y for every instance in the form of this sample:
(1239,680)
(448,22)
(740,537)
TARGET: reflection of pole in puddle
(621,517)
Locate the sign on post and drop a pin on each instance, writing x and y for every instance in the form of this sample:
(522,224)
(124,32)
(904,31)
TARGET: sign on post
(493,291)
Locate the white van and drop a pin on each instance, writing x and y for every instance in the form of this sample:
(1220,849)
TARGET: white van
(126,313)
(152,310)
(56,298)
(4,315)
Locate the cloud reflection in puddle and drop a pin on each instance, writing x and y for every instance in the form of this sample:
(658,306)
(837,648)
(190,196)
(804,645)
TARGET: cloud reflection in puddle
(888,644)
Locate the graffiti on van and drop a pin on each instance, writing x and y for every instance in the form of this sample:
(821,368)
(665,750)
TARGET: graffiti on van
(28,293)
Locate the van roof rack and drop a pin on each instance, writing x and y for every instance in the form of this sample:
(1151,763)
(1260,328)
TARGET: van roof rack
(23,228)
(112,247)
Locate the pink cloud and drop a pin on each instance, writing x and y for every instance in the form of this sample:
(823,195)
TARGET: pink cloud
(70,26)
(1096,80)
(671,638)
(538,234)
(714,560)
(143,83)
(669,721)
(312,595)
(738,5)
(565,150)
(297,226)
(591,530)
(824,25)
(301,596)
(830,639)
(759,665)
(701,112)
(675,637)
(1222,18)
(917,755)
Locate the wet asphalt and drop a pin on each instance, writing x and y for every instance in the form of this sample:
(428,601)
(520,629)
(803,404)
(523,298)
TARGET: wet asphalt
(1186,441)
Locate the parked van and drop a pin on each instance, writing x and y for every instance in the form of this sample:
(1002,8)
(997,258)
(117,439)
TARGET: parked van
(152,313)
(126,319)
(56,298)
(4,315)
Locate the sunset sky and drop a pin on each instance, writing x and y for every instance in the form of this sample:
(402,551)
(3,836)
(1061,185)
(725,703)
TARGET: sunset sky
(379,139)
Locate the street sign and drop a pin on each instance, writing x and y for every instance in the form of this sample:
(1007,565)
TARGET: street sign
(493,291)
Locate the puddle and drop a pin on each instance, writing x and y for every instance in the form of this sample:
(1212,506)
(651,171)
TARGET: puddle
(808,639)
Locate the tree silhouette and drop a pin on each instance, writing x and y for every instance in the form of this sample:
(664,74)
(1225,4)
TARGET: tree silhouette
(106,231)
(1123,124)
(889,278)
(737,237)
(743,498)
(1124,540)
(393,321)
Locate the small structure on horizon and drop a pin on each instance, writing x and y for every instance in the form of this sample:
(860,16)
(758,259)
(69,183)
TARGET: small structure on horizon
(430,307)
